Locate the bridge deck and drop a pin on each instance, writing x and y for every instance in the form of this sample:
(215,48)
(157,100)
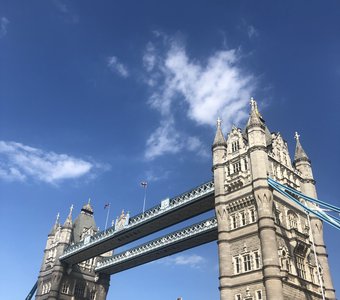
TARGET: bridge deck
(183,207)
(189,237)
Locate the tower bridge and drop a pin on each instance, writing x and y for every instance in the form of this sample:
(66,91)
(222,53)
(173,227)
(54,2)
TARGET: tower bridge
(269,247)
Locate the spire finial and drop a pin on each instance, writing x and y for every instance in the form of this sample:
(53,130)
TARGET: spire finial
(58,219)
(253,103)
(219,121)
(71,209)
(89,202)
(296,136)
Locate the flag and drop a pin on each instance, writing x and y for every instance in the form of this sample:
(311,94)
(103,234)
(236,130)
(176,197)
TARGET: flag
(144,184)
(106,205)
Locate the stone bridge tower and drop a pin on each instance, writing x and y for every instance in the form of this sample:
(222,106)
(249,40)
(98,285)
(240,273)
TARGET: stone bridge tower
(265,241)
(78,282)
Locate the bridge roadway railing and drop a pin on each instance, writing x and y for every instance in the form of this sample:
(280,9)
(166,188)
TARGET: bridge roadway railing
(179,208)
(189,237)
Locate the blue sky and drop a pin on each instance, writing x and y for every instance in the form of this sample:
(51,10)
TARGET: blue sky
(96,96)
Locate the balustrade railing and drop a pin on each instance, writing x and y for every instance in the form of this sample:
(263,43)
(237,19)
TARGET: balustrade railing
(174,237)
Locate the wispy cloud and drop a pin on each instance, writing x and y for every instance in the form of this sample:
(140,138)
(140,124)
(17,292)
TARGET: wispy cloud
(193,261)
(201,90)
(3,26)
(252,32)
(66,12)
(157,173)
(20,162)
(117,67)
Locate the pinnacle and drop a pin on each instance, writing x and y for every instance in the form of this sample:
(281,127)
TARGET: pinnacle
(219,138)
(300,154)
(255,117)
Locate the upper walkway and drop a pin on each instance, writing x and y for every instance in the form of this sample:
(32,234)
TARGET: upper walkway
(189,237)
(163,215)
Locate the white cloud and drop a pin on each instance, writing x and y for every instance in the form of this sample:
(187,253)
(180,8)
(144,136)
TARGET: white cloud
(167,140)
(201,90)
(3,26)
(163,140)
(252,32)
(19,162)
(193,261)
(116,66)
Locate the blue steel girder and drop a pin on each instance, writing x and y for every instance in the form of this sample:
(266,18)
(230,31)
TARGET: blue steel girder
(189,237)
(180,208)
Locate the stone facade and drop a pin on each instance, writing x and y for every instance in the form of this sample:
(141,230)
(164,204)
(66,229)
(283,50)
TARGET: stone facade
(264,240)
(78,282)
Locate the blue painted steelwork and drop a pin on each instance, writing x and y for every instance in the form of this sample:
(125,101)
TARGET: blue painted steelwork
(159,210)
(206,228)
(314,209)
(32,292)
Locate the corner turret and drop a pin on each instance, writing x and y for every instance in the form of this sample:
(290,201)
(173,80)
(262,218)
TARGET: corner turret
(219,138)
(68,222)
(56,225)
(300,154)
(219,149)
(301,160)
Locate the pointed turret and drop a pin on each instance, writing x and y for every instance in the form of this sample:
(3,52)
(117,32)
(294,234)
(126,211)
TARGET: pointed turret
(56,225)
(84,221)
(219,138)
(87,208)
(300,154)
(255,118)
(68,221)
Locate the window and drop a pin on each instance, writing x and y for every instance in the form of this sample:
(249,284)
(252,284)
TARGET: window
(228,170)
(93,295)
(245,164)
(46,287)
(252,215)
(300,266)
(257,260)
(243,218)
(79,289)
(312,277)
(65,289)
(292,220)
(235,146)
(237,167)
(246,262)
(237,265)
(233,221)
(258,295)
(238,297)
(285,260)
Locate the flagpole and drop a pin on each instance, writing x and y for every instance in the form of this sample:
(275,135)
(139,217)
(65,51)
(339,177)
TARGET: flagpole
(145,187)
(107,216)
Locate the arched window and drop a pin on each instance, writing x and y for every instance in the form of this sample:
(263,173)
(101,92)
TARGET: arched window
(233,221)
(235,146)
(285,260)
(292,220)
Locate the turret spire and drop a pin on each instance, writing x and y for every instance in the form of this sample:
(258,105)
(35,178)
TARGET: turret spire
(219,138)
(87,208)
(255,117)
(300,154)
(57,219)
(56,224)
(68,221)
